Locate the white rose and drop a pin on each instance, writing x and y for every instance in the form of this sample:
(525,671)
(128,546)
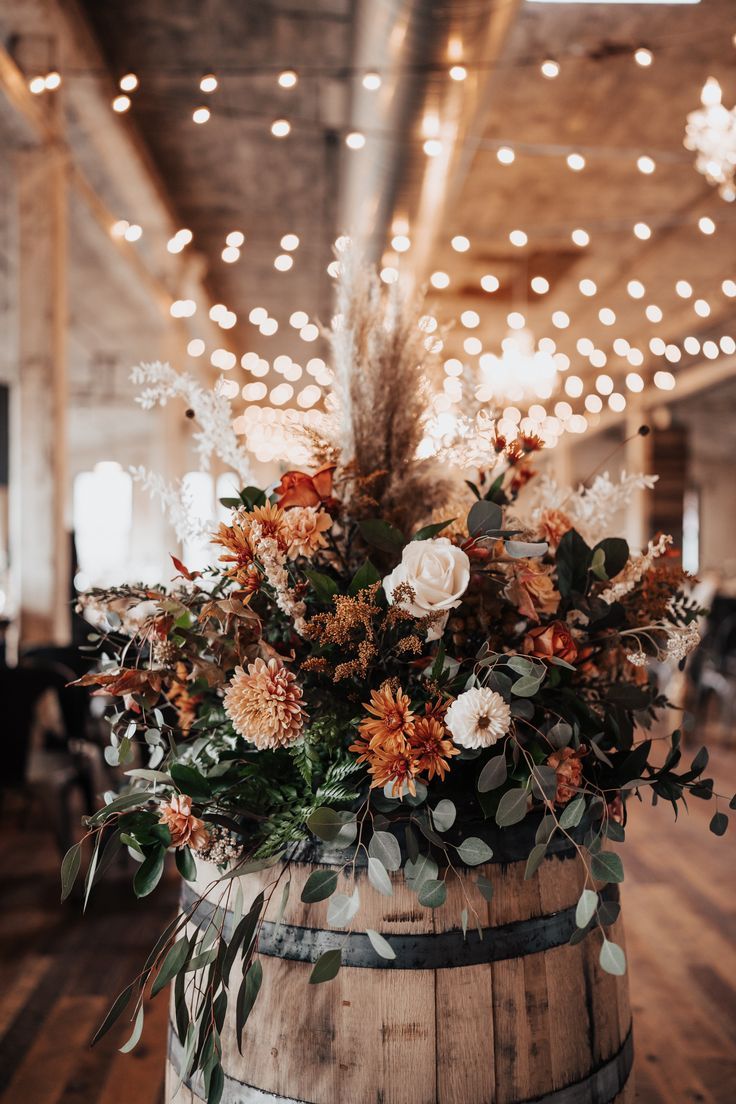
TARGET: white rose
(478,718)
(438,572)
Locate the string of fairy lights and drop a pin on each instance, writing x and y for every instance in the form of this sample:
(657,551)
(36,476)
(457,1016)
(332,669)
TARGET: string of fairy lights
(526,373)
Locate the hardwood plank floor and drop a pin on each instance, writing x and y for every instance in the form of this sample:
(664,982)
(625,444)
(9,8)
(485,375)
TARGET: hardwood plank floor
(59,969)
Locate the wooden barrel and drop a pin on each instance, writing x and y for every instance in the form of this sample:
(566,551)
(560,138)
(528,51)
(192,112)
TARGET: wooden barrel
(519,1015)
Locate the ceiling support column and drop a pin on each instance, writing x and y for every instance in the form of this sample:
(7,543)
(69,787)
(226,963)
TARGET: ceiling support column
(42,482)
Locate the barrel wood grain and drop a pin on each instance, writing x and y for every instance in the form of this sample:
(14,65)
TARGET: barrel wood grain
(518,1022)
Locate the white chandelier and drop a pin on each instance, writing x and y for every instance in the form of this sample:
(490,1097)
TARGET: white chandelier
(711,133)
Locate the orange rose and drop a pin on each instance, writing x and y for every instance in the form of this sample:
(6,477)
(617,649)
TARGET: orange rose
(546,641)
(569,770)
(299,489)
(531,590)
(186,829)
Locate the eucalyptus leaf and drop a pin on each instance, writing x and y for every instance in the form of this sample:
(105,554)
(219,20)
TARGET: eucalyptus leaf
(544,782)
(320,885)
(485,887)
(485,518)
(527,685)
(380,945)
(385,847)
(420,870)
(607,867)
(525,549)
(326,967)
(249,989)
(433,893)
(612,958)
(175,959)
(474,851)
(572,814)
(560,735)
(443,815)
(718,824)
(586,906)
(342,909)
(149,873)
(378,877)
(536,856)
(69,869)
(493,774)
(186,864)
(511,808)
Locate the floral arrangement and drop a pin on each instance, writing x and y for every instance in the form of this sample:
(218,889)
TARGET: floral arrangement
(385,657)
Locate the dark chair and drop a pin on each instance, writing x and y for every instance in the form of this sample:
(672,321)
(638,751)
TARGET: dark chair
(52,767)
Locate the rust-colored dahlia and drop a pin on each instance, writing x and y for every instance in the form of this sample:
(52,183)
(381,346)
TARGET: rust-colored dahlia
(569,770)
(392,719)
(265,704)
(186,829)
(432,746)
(394,768)
(238,555)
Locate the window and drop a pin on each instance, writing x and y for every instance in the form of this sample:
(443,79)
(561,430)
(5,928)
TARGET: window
(102,516)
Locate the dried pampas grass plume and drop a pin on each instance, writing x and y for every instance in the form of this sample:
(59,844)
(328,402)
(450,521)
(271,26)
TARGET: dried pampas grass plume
(384,379)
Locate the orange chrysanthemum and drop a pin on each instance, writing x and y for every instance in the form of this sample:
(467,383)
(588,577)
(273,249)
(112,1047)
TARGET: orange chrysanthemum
(392,719)
(238,553)
(432,747)
(397,769)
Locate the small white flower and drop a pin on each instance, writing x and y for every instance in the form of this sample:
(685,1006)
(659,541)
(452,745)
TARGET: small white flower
(438,572)
(478,718)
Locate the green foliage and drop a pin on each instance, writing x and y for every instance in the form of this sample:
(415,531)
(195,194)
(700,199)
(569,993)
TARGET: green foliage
(326,967)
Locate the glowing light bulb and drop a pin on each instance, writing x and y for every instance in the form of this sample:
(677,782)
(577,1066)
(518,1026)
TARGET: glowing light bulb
(561,320)
(490,283)
(37,85)
(235,238)
(208,83)
(593,404)
(683,289)
(52,81)
(470,319)
(665,381)
(230,254)
(201,115)
(432,147)
(118,228)
(518,238)
(458,73)
(288,78)
(673,354)
(372,82)
(575,161)
(604,385)
(195,348)
(701,307)
(635,357)
(283,262)
(706,225)
(355,140)
(728,287)
(460,243)
(653,313)
(711,93)
(439,279)
(539,284)
(643,231)
(550,69)
(588,287)
(257,316)
(617,402)
(269,327)
(506,155)
(401,243)
(635,289)
(657,346)
(309,333)
(607,316)
(515,320)
(574,387)
(645,165)
(580,237)
(129,82)
(280,128)
(472,346)
(133,233)
(634,382)
(389,274)
(121,104)
(643,57)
